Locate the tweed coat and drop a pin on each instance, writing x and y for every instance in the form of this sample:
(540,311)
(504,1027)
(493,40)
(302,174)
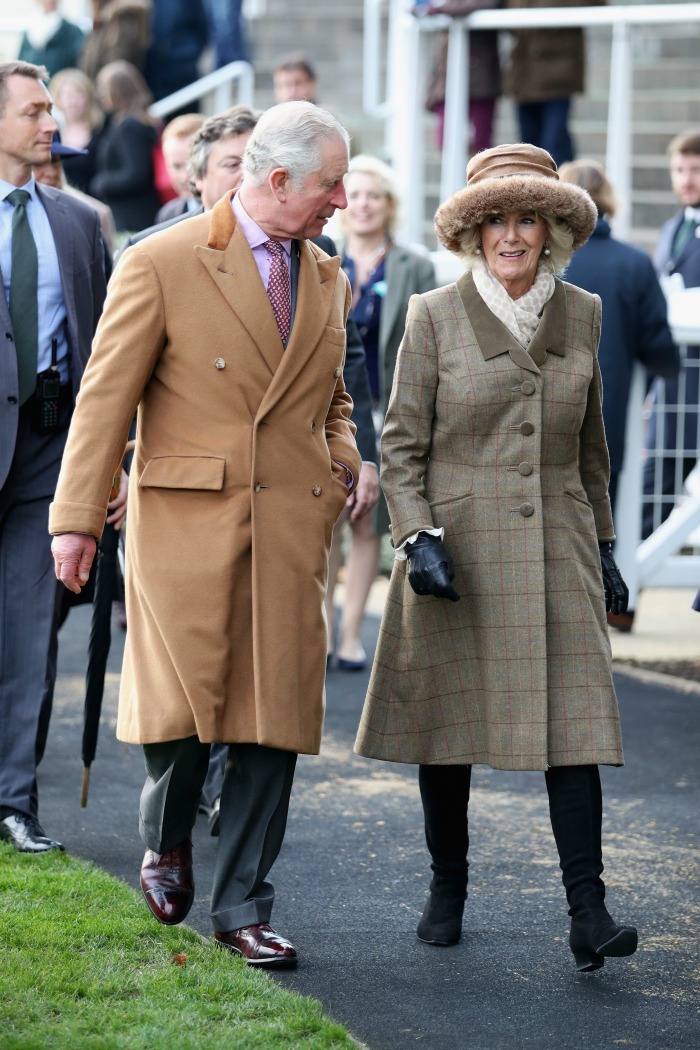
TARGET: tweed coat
(234,487)
(504,449)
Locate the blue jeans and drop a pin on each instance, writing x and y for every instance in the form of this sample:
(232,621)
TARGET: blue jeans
(545,124)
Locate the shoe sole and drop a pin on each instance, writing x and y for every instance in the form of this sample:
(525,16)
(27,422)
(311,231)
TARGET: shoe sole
(619,947)
(439,944)
(275,964)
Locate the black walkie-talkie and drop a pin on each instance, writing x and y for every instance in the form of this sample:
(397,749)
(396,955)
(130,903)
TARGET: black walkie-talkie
(48,387)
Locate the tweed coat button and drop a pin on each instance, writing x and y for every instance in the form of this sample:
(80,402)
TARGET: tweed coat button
(313,427)
(528,387)
(527,427)
(316,490)
(525,469)
(257,487)
(337,372)
(527,510)
(219,363)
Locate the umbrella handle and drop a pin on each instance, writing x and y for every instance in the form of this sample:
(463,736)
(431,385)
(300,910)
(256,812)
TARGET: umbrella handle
(84,787)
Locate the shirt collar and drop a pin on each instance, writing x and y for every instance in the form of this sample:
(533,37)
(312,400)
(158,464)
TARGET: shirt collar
(693,213)
(8,187)
(254,235)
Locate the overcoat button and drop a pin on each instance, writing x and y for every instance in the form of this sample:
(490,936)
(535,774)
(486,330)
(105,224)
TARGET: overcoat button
(316,490)
(337,372)
(527,510)
(219,363)
(313,427)
(257,487)
(527,427)
(525,469)
(528,387)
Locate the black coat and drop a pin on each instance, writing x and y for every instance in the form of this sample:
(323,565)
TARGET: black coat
(634,324)
(671,391)
(124,178)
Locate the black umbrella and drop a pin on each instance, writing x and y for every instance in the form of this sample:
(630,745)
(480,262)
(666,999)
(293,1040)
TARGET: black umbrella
(105,572)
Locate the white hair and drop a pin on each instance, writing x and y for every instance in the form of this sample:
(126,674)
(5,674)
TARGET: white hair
(289,136)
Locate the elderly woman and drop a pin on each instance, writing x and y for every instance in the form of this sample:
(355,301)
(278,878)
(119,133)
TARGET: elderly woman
(495,470)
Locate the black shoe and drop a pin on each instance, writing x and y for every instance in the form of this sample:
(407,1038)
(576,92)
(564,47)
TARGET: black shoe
(441,922)
(26,834)
(595,936)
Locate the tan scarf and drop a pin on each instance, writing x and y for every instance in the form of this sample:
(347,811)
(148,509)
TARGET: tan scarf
(520,316)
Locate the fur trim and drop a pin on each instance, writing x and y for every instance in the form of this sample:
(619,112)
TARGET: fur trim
(470,206)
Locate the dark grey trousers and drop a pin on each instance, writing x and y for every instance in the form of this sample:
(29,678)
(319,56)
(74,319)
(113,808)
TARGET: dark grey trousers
(28,598)
(254,804)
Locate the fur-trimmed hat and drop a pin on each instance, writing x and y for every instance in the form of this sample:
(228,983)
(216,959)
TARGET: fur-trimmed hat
(509,178)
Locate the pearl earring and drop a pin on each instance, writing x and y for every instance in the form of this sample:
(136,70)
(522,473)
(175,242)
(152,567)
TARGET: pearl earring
(477,250)
(547,251)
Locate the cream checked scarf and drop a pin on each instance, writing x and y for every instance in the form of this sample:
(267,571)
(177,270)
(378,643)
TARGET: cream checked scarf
(520,316)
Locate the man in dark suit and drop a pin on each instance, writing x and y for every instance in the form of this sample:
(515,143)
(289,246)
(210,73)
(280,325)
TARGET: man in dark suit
(53,287)
(215,168)
(673,439)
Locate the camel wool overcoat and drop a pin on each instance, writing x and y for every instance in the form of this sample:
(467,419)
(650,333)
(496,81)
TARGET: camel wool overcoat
(235,486)
(505,449)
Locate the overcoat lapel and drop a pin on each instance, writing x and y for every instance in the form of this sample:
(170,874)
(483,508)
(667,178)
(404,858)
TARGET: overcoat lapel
(235,274)
(396,293)
(494,338)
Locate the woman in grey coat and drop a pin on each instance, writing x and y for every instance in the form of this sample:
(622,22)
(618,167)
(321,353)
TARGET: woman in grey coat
(494,444)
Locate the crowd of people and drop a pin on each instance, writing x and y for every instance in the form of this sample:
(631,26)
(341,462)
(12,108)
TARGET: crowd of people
(273,371)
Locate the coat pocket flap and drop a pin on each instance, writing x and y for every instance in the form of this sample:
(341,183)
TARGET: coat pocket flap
(184,472)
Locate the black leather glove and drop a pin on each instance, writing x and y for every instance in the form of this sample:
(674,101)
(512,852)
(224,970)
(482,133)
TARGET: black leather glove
(430,568)
(617,594)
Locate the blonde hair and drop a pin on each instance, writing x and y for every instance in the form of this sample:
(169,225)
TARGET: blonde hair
(183,127)
(560,240)
(591,177)
(363,164)
(94,112)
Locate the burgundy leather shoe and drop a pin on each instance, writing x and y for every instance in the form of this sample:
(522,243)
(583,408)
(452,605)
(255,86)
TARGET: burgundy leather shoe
(167,882)
(259,945)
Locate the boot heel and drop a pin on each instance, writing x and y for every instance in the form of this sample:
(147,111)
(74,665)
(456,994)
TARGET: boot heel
(587,960)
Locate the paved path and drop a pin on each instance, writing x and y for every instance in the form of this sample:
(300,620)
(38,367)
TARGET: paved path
(353,874)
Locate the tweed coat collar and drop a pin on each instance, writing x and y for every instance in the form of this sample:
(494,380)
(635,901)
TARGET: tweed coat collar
(231,266)
(494,338)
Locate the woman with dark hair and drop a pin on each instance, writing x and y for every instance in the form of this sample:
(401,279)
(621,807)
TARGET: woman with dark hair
(124,178)
(493,647)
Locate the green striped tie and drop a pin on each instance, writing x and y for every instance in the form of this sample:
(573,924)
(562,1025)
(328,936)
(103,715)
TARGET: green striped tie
(24,308)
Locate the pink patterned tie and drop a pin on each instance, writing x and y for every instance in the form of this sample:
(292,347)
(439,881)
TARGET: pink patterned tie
(278,288)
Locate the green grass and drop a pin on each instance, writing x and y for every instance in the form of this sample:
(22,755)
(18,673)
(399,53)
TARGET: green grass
(83,965)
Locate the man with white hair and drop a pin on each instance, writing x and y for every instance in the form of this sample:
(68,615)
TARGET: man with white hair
(228,332)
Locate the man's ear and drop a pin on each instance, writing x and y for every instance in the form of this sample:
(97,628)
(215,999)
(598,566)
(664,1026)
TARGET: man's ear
(279,184)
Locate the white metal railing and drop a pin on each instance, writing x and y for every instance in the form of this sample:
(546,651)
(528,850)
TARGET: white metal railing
(402,108)
(217,87)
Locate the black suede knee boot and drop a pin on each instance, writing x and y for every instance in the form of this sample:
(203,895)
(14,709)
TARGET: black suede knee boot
(445,795)
(576,812)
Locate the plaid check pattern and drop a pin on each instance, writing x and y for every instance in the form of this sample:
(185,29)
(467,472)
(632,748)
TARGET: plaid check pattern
(506,450)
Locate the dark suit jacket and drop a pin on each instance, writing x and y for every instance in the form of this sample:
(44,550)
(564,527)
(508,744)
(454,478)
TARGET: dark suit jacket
(686,263)
(355,371)
(81,258)
(634,324)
